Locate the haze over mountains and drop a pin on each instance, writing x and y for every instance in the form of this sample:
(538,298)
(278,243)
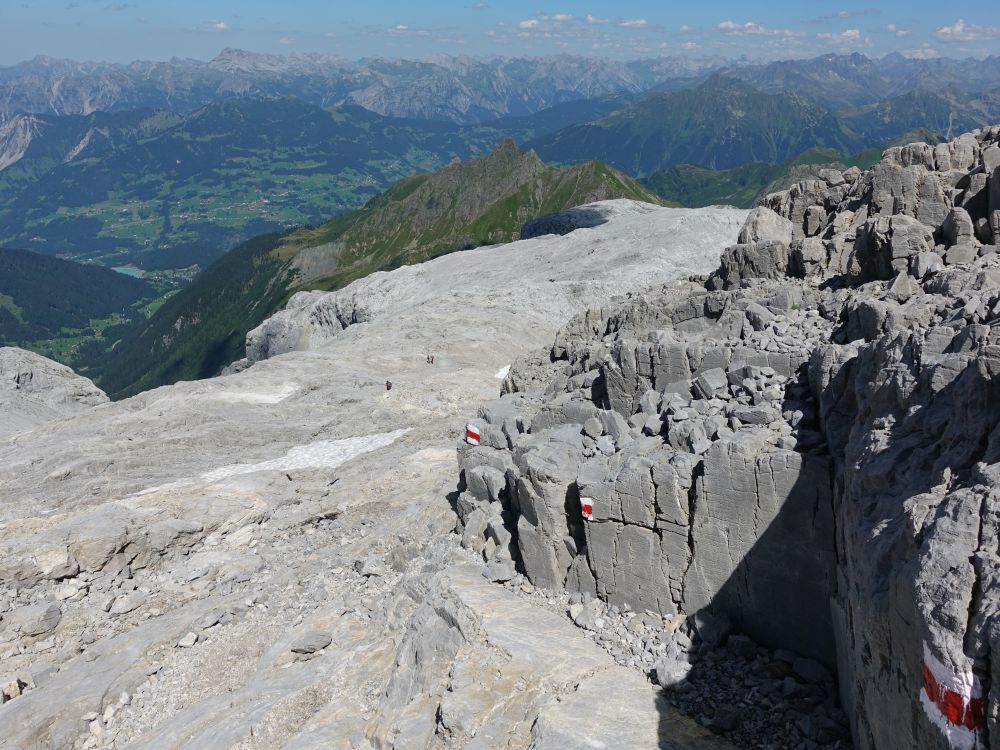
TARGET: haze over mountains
(455,89)
(458,89)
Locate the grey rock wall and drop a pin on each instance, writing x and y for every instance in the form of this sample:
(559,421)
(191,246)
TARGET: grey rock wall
(808,444)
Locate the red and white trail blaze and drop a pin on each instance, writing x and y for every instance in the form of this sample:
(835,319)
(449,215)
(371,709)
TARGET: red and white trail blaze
(587,508)
(472,434)
(953,701)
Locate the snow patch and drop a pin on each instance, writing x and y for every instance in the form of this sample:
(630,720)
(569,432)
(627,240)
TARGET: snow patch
(259,396)
(326,454)
(502,373)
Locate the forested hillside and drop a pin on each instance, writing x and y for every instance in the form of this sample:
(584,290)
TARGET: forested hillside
(44,298)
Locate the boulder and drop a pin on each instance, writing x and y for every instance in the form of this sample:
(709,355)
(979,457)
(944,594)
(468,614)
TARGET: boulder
(884,246)
(756,260)
(763,225)
(958,228)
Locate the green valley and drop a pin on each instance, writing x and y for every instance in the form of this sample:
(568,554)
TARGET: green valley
(54,306)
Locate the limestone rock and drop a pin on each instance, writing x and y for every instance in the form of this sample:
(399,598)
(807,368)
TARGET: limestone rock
(312,642)
(34,390)
(763,225)
(833,493)
(240,505)
(35,619)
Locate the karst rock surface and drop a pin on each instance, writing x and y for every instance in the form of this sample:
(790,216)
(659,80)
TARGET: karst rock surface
(805,446)
(34,390)
(267,559)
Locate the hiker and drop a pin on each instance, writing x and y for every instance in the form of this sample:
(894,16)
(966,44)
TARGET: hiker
(388,385)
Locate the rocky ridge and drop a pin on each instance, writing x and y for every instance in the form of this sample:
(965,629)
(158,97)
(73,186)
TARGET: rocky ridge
(802,448)
(265,559)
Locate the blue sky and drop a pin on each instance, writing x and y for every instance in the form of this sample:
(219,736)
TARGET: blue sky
(124,30)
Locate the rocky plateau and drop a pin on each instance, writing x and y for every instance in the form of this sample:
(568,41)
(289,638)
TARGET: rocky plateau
(267,559)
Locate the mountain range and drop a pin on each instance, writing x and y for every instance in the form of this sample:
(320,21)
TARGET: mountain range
(464,205)
(161,191)
(458,89)
(455,89)
(721,123)
(845,81)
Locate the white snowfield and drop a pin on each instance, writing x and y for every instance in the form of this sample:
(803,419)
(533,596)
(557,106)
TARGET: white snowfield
(327,454)
(241,508)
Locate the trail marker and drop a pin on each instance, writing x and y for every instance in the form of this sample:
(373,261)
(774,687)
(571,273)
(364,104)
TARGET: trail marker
(953,701)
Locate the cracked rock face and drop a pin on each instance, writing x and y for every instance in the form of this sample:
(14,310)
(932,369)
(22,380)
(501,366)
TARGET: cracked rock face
(806,444)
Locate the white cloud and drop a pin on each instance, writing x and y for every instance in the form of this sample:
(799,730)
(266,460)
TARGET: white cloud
(286,40)
(401,29)
(690,45)
(899,31)
(217,25)
(531,23)
(843,14)
(562,17)
(638,23)
(921,53)
(848,39)
(685,29)
(961,31)
(592,20)
(752,28)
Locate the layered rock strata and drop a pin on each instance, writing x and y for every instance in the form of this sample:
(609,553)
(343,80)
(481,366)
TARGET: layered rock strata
(805,443)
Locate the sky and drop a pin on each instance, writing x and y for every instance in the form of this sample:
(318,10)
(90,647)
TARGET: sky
(126,30)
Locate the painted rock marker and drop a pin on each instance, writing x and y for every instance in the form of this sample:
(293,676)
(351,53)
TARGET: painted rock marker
(953,701)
